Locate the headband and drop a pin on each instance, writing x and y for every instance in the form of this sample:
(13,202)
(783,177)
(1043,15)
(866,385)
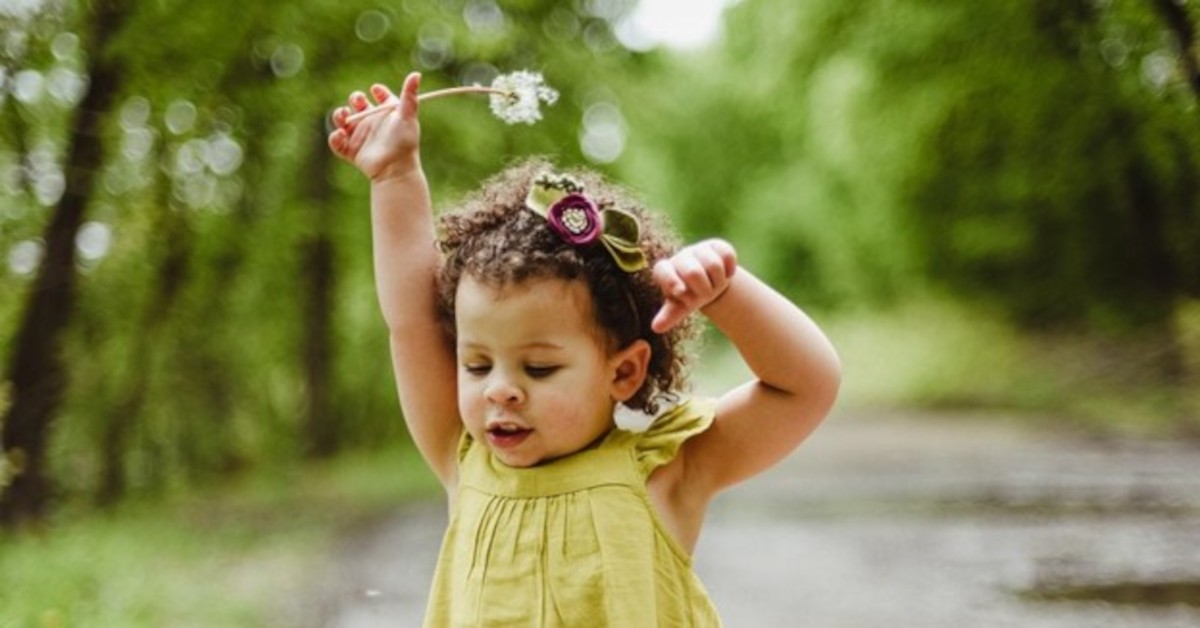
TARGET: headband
(577,220)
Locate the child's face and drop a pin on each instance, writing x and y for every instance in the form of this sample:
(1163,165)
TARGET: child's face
(535,379)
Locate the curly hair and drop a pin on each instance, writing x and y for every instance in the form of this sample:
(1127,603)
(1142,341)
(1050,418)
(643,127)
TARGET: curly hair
(492,238)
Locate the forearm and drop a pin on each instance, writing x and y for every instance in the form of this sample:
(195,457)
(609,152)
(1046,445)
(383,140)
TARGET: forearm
(782,346)
(405,254)
(406,262)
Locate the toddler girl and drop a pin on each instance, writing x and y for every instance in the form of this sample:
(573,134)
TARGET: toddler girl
(544,304)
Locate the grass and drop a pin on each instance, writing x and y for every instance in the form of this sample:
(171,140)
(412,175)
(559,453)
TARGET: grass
(229,557)
(947,357)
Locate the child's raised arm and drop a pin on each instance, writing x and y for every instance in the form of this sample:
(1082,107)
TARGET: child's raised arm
(797,370)
(386,149)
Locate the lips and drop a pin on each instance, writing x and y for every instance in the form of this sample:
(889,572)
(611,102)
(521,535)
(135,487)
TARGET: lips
(505,436)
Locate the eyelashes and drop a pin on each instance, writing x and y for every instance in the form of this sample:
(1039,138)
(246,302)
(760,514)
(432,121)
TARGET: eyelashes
(537,371)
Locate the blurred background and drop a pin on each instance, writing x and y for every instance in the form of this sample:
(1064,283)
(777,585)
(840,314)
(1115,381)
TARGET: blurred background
(991,207)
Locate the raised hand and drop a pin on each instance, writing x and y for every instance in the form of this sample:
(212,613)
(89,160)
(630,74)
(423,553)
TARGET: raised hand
(691,279)
(383,146)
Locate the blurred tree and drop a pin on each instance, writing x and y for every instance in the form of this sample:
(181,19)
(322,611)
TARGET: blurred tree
(118,420)
(226,313)
(1182,27)
(36,367)
(1036,157)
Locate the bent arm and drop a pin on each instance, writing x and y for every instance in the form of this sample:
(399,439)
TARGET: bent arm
(797,378)
(406,262)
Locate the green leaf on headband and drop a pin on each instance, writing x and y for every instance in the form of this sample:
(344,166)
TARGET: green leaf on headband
(549,188)
(541,198)
(620,236)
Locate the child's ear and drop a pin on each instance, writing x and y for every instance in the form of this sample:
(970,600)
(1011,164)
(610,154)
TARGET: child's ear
(629,367)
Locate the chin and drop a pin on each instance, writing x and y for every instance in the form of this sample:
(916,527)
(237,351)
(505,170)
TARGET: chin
(516,460)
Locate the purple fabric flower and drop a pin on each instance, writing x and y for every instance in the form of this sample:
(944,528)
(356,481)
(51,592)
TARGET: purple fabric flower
(576,219)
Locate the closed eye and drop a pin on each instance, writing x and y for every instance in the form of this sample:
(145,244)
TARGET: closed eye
(539,372)
(477,369)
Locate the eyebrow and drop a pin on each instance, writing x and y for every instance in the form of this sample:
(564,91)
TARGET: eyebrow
(541,344)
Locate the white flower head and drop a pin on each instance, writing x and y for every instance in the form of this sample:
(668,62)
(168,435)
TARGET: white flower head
(523,91)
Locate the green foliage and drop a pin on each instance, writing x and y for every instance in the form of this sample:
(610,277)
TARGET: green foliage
(1034,160)
(1037,158)
(941,355)
(229,558)
(188,341)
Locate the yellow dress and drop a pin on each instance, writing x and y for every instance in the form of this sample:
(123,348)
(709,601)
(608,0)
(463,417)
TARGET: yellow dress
(574,542)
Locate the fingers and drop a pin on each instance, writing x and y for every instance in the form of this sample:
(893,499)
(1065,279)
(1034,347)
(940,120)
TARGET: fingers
(699,272)
(726,252)
(691,279)
(678,301)
(338,143)
(408,95)
(671,314)
(338,117)
(340,138)
(351,131)
(382,94)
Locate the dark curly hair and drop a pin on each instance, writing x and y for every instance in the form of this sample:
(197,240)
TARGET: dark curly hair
(494,239)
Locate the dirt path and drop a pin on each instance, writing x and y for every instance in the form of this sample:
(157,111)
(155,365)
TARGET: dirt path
(890,520)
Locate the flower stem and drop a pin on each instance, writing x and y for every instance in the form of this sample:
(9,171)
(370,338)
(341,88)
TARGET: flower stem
(468,89)
(449,91)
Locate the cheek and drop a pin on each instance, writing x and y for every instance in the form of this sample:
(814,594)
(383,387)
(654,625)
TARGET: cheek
(559,405)
(470,398)
(568,407)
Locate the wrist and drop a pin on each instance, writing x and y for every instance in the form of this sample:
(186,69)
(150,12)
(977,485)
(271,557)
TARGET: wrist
(402,170)
(397,174)
(715,304)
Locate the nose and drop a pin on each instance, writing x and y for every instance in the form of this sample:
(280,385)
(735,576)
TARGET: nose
(503,391)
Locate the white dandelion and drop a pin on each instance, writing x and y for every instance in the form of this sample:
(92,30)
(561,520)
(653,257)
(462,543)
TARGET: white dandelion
(519,96)
(515,97)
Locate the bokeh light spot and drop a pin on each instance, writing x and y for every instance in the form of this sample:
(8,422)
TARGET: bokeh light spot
(180,117)
(28,86)
(137,144)
(135,113)
(25,257)
(93,240)
(64,46)
(1157,69)
(561,25)
(224,155)
(66,86)
(49,187)
(371,26)
(435,46)
(602,138)
(478,74)
(483,17)
(287,60)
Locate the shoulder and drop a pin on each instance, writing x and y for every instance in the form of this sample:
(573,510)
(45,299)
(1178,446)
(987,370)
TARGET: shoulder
(661,442)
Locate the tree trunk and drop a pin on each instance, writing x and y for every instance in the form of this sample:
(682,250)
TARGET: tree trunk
(36,369)
(320,430)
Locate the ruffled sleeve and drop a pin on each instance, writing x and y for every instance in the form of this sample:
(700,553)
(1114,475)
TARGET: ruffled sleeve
(660,443)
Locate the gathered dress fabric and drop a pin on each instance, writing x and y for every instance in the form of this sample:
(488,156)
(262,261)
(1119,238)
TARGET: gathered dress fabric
(573,542)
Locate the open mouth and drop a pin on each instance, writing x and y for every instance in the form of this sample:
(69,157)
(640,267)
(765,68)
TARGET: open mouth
(507,435)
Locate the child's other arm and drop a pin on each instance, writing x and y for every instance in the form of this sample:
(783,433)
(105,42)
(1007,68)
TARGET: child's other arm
(797,370)
(386,149)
